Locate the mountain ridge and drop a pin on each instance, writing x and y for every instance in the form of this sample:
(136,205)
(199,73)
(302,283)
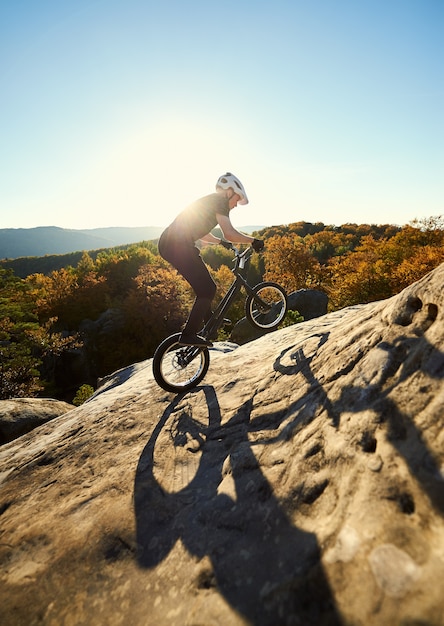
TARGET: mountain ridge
(43,240)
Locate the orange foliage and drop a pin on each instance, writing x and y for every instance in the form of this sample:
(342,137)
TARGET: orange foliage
(290,263)
(359,277)
(156,306)
(380,269)
(423,261)
(68,297)
(52,291)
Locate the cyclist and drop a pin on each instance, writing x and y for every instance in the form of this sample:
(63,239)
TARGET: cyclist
(177,245)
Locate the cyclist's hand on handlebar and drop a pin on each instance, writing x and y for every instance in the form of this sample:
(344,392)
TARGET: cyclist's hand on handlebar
(257,245)
(226,244)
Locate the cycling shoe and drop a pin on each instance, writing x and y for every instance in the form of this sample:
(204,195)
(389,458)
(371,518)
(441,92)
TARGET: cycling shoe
(194,340)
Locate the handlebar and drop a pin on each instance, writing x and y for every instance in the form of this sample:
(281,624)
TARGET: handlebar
(242,257)
(237,251)
(241,253)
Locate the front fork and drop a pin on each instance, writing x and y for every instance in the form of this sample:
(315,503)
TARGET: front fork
(216,320)
(251,292)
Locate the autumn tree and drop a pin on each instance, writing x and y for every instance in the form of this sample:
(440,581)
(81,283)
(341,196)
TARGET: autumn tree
(417,265)
(120,266)
(156,305)
(216,256)
(328,243)
(361,276)
(53,291)
(24,343)
(289,263)
(378,269)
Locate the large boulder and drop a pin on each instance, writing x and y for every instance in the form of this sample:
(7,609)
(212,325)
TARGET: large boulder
(310,303)
(19,416)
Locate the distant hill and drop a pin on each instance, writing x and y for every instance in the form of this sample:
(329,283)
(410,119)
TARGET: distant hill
(48,248)
(44,240)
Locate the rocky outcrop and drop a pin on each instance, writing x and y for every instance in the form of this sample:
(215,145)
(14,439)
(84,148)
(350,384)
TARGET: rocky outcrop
(301,483)
(310,303)
(19,416)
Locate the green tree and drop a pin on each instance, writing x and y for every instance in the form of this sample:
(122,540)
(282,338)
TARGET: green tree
(82,395)
(19,375)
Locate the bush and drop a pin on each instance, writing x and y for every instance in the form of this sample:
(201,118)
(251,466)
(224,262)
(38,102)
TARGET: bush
(82,395)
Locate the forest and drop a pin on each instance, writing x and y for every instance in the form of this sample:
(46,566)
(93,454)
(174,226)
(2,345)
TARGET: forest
(62,330)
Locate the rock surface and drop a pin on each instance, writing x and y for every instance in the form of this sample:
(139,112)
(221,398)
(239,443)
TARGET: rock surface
(19,416)
(301,483)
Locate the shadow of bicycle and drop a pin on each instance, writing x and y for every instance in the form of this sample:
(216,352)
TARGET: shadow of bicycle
(399,361)
(268,570)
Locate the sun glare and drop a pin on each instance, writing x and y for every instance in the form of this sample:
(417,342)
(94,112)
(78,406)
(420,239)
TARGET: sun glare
(152,174)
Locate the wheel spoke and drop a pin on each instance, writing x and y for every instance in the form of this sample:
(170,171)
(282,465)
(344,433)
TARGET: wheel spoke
(177,368)
(268,307)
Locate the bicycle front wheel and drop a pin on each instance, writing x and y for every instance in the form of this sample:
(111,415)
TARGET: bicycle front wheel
(178,368)
(267,308)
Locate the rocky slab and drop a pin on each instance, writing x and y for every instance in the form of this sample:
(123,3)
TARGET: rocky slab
(301,483)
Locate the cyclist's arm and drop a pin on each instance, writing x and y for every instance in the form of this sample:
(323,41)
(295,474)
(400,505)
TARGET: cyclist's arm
(210,239)
(230,233)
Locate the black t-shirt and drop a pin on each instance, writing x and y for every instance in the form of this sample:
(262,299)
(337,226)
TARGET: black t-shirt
(199,218)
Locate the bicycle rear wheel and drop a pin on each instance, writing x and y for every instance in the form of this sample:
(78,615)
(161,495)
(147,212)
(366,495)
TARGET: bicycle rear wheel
(267,308)
(178,368)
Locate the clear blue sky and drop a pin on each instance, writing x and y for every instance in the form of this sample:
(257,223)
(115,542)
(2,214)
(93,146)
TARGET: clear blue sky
(121,112)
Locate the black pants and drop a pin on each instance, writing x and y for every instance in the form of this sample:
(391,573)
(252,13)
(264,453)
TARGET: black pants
(185,257)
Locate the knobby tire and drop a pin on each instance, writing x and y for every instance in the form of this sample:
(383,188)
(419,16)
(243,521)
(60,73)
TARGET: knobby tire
(268,312)
(173,368)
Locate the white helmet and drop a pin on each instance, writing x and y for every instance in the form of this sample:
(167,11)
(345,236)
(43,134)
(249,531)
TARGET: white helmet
(229,181)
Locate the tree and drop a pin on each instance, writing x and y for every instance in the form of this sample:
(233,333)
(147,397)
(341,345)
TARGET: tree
(156,305)
(380,268)
(83,394)
(411,269)
(216,256)
(433,226)
(328,243)
(361,276)
(290,263)
(53,293)
(19,375)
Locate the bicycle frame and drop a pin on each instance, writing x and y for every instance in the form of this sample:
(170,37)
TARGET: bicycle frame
(240,269)
(241,262)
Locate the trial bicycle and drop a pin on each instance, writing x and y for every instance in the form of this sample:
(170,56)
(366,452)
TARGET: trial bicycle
(179,368)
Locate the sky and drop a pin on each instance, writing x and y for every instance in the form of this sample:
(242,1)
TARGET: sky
(122,112)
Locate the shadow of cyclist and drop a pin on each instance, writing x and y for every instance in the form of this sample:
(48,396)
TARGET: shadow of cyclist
(406,356)
(267,569)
